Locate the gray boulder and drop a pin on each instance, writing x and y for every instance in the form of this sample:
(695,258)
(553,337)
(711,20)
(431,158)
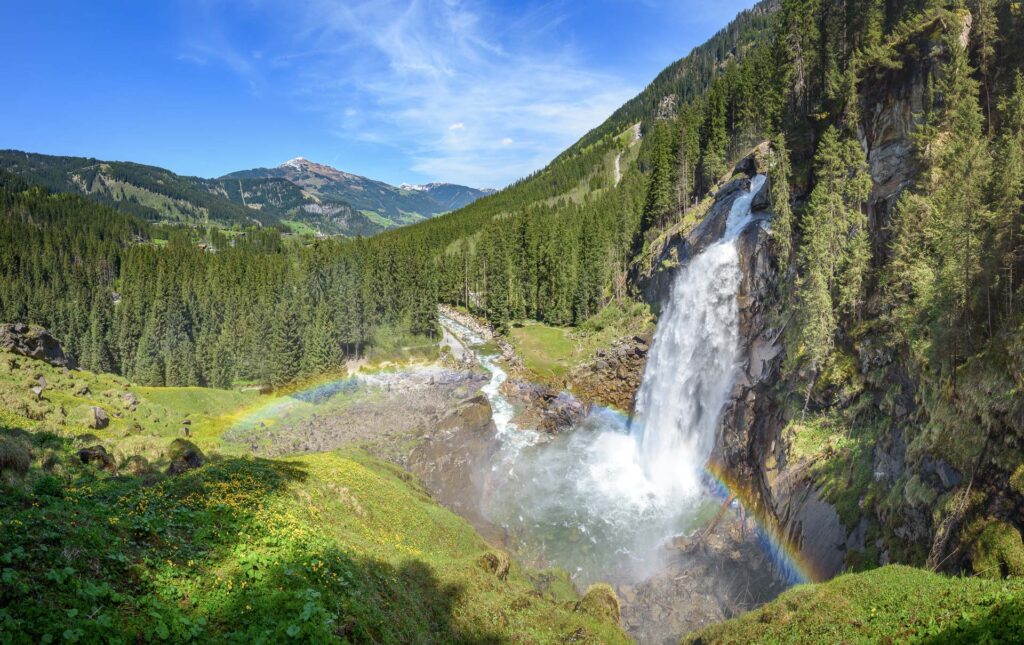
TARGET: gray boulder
(98,418)
(33,342)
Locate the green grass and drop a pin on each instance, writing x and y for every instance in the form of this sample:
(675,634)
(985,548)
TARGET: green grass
(145,428)
(299,228)
(335,547)
(546,351)
(893,604)
(550,353)
(377,218)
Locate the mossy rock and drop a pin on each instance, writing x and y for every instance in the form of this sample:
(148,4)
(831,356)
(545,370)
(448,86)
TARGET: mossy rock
(600,602)
(998,551)
(184,455)
(495,563)
(1017,480)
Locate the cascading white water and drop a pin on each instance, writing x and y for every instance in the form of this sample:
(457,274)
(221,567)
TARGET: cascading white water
(602,499)
(692,363)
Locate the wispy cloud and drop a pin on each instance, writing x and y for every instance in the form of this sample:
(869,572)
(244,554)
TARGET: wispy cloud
(465,93)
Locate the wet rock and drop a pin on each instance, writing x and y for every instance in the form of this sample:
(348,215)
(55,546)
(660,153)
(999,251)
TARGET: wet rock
(184,456)
(542,408)
(453,460)
(763,199)
(98,418)
(99,457)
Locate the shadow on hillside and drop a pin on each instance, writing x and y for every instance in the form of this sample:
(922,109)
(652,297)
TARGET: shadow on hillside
(1004,623)
(194,550)
(335,595)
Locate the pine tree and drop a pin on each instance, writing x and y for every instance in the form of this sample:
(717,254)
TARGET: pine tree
(834,257)
(284,345)
(321,352)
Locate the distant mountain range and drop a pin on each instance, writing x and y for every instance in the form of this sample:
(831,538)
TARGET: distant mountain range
(301,194)
(383,203)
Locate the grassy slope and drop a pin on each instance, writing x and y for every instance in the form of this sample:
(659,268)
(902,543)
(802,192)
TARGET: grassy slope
(550,353)
(324,547)
(894,604)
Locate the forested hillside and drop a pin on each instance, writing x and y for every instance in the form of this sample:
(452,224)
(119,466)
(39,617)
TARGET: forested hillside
(302,197)
(180,306)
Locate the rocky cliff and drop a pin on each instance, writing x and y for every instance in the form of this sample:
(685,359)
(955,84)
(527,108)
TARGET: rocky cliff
(851,471)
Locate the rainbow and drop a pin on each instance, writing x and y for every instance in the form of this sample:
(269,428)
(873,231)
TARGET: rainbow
(786,555)
(270,408)
(789,561)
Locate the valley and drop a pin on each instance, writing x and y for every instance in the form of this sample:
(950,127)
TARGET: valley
(745,363)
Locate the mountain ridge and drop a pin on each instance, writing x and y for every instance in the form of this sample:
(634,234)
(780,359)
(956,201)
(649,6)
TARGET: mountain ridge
(261,197)
(404,204)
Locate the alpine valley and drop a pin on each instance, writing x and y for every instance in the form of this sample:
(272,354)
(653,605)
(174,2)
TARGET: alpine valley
(744,364)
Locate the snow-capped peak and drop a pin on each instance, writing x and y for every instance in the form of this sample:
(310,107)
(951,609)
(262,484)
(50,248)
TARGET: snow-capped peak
(295,163)
(416,187)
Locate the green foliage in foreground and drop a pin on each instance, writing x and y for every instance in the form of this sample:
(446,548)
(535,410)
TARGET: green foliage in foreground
(330,547)
(893,604)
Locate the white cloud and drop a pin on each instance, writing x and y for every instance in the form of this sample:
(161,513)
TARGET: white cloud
(438,80)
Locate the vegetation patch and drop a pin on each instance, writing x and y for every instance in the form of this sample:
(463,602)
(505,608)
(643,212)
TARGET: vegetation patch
(890,604)
(996,548)
(332,547)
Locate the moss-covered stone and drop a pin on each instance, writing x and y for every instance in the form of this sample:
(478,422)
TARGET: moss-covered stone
(998,551)
(1017,480)
(600,602)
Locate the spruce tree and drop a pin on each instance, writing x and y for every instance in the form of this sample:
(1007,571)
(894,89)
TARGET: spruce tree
(284,345)
(321,352)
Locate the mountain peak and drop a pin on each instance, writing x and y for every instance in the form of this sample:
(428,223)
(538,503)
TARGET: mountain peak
(296,163)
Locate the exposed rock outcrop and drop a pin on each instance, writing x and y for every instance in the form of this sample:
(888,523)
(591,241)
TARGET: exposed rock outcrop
(33,342)
(543,408)
(453,457)
(613,377)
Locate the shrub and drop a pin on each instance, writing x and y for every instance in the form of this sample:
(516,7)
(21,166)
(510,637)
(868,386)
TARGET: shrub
(15,456)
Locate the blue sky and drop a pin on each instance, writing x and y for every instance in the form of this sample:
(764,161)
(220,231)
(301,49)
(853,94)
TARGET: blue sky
(478,93)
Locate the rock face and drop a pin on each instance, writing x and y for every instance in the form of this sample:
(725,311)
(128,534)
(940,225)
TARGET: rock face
(613,378)
(893,102)
(33,342)
(452,460)
(543,408)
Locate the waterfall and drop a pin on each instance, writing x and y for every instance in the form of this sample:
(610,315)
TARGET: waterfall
(692,363)
(602,499)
